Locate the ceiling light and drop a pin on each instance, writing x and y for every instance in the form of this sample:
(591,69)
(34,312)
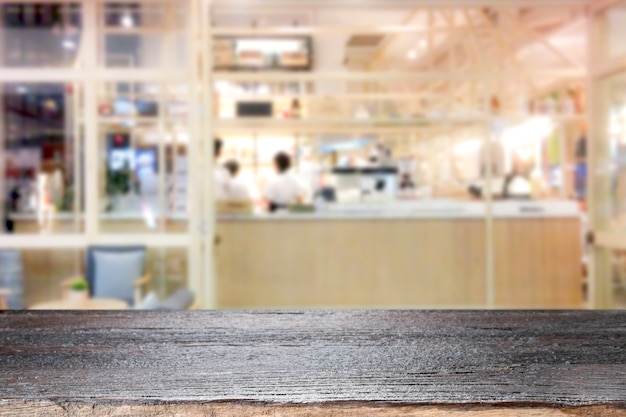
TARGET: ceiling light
(222,87)
(412,55)
(69,44)
(127,20)
(467,146)
(269,46)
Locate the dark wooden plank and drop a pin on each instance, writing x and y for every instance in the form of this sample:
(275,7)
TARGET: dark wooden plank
(357,358)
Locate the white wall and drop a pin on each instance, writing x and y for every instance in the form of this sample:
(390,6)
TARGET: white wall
(617,31)
(330,50)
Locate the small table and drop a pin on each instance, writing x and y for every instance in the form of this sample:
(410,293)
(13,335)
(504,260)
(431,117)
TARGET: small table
(90,304)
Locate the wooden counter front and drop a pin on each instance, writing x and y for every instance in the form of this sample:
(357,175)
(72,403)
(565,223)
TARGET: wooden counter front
(351,264)
(398,263)
(317,262)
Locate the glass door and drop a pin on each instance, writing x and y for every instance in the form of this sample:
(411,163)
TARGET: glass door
(607,172)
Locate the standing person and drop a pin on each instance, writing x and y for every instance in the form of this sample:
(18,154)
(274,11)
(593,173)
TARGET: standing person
(283,189)
(517,184)
(235,189)
(295,112)
(220,175)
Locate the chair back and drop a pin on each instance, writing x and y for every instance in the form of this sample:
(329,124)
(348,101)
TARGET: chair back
(112,270)
(180,300)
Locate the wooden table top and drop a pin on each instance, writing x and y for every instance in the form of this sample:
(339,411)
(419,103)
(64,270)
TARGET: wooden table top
(395,358)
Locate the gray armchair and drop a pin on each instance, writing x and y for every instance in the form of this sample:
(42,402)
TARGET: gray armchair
(117,272)
(183,299)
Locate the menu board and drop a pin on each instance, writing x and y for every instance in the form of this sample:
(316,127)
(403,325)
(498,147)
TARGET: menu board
(253,53)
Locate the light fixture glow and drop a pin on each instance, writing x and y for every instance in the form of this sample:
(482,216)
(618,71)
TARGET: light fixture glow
(269,46)
(21,89)
(467,146)
(412,55)
(532,131)
(127,20)
(69,44)
(222,87)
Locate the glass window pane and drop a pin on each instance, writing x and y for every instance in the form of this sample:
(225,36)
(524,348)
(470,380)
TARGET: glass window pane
(43,272)
(42,144)
(144,35)
(618,278)
(609,274)
(35,277)
(40,34)
(143,137)
(169,270)
(616,102)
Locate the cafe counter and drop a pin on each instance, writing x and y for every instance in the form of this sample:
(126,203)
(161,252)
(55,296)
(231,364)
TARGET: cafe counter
(424,255)
(409,255)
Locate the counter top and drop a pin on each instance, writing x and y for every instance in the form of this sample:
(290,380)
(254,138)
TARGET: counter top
(326,363)
(425,210)
(120,216)
(428,209)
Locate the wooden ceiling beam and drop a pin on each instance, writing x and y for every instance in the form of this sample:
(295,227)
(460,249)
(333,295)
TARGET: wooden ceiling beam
(477,51)
(523,28)
(388,41)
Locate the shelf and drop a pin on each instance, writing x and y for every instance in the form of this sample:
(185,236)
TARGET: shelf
(351,125)
(142,119)
(394,76)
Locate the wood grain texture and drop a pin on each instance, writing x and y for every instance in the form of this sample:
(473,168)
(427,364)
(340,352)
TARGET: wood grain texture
(352,264)
(348,359)
(38,409)
(392,263)
(538,263)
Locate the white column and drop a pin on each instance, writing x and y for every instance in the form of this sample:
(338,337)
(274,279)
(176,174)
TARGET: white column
(598,178)
(3,191)
(194,161)
(206,136)
(90,112)
(563,167)
(3,144)
(490,281)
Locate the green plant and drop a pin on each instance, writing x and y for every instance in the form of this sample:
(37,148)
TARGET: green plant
(118,182)
(79,284)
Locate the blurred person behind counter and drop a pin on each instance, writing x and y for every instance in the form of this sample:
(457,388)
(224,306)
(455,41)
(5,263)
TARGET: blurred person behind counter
(235,189)
(283,189)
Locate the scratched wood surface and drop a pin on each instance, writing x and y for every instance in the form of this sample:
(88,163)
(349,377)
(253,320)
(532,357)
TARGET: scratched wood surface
(346,364)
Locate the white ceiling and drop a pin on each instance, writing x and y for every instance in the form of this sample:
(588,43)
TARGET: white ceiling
(561,27)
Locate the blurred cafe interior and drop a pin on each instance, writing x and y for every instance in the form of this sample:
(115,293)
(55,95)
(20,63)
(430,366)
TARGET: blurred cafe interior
(285,154)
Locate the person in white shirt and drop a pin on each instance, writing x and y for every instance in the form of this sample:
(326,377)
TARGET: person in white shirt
(283,189)
(220,175)
(235,189)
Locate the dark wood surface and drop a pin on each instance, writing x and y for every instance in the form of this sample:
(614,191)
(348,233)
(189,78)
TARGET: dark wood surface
(392,357)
